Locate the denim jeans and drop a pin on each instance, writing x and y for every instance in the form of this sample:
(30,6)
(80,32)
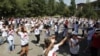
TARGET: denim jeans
(1,40)
(65,32)
(47,33)
(11,45)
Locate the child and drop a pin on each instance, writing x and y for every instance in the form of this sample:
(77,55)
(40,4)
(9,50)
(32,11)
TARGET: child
(24,40)
(4,33)
(10,37)
(74,44)
(50,47)
(37,34)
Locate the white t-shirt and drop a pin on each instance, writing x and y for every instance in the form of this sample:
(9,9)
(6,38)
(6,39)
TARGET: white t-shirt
(4,32)
(56,29)
(9,22)
(24,38)
(11,35)
(41,27)
(1,24)
(75,49)
(61,28)
(13,22)
(32,23)
(52,52)
(37,31)
(27,26)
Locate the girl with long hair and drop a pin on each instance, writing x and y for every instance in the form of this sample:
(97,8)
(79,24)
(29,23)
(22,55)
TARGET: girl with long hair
(24,40)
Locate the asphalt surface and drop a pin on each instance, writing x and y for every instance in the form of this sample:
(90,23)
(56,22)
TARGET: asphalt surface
(35,50)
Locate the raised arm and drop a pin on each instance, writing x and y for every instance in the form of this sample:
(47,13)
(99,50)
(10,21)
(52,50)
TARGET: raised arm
(50,46)
(62,41)
(19,29)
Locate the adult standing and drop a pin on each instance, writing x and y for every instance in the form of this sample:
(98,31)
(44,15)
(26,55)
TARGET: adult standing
(95,43)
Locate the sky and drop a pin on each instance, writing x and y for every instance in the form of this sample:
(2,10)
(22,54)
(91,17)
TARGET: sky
(77,1)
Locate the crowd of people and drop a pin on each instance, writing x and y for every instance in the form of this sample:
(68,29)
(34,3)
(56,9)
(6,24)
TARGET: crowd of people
(60,30)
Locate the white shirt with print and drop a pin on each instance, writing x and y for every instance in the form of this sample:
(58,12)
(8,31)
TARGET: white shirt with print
(11,35)
(24,38)
(37,31)
(52,52)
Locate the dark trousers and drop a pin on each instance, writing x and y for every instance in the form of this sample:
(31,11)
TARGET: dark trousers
(94,51)
(72,29)
(56,33)
(83,32)
(74,55)
(38,38)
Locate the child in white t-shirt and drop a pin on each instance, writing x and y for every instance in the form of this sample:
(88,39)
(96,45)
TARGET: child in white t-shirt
(50,47)
(1,23)
(4,33)
(37,34)
(10,37)
(24,37)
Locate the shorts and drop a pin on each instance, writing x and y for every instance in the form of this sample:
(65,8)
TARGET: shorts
(24,45)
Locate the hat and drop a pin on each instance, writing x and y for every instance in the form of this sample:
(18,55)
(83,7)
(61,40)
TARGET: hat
(74,33)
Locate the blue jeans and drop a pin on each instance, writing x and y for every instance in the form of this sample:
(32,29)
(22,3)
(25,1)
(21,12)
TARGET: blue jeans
(76,30)
(1,40)
(11,45)
(48,34)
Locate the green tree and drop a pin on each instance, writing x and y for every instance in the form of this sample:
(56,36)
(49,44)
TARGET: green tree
(21,8)
(72,8)
(50,8)
(61,7)
(28,8)
(89,12)
(66,12)
(10,8)
(37,7)
(5,7)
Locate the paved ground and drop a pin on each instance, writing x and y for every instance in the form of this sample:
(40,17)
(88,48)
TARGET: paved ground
(37,50)
(33,49)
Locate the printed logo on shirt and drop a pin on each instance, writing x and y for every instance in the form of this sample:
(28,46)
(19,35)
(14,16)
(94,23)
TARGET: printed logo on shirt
(54,54)
(25,36)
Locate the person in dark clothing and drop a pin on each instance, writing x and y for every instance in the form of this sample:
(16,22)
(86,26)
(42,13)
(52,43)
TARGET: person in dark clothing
(6,22)
(95,44)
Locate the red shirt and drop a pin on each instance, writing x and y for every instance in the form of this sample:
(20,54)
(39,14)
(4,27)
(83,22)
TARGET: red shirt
(95,41)
(66,22)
